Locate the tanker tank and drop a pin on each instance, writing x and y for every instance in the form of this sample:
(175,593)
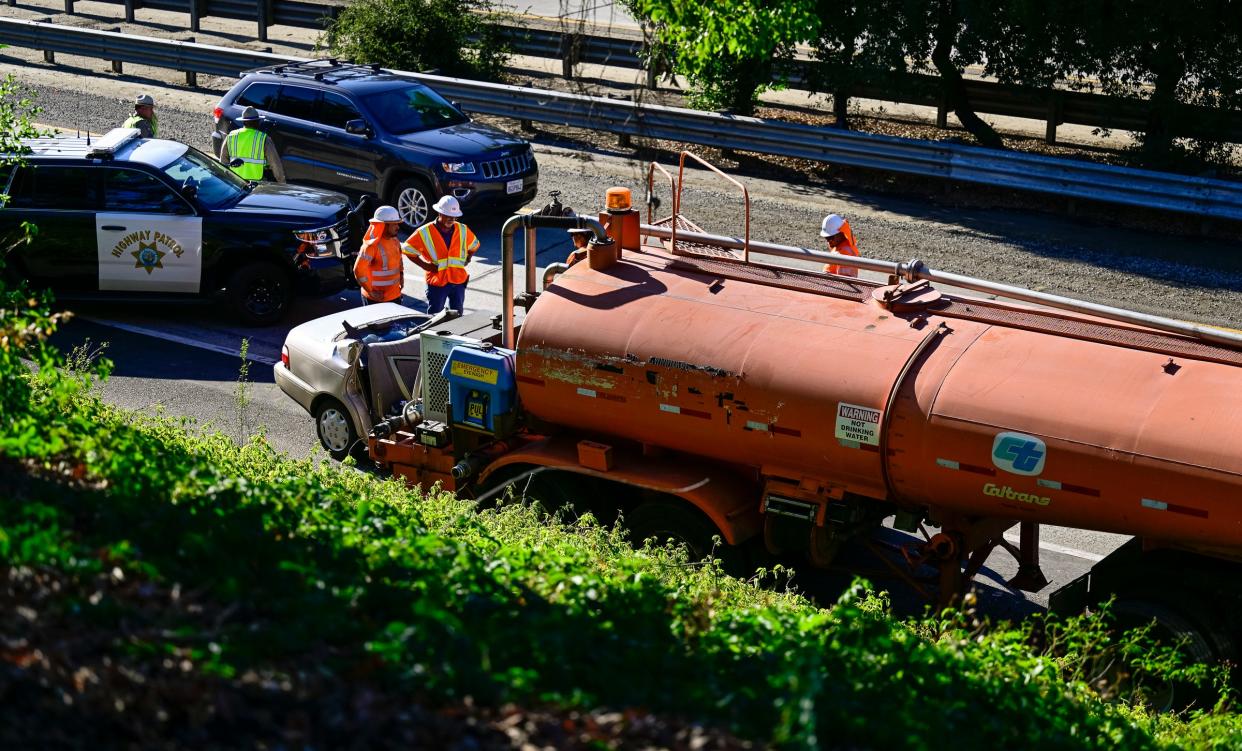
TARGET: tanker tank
(951,405)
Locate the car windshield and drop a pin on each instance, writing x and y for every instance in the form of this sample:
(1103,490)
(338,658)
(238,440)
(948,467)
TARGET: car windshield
(217,185)
(411,109)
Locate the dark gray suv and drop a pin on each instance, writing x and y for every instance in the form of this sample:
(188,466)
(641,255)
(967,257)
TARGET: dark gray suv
(364,130)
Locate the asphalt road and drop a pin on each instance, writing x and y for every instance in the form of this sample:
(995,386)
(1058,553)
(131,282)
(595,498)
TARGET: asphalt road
(183,362)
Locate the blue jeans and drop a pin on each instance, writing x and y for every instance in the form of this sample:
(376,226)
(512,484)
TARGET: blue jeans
(453,294)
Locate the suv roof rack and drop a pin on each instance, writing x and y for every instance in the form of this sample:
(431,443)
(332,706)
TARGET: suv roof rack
(327,69)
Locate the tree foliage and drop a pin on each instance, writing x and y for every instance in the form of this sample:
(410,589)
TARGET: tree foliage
(1168,54)
(451,36)
(729,50)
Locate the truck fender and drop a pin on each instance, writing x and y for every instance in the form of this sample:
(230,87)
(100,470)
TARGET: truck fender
(731,505)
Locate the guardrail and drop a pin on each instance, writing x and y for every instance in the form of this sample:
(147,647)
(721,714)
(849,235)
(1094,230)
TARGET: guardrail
(1039,174)
(572,46)
(304,13)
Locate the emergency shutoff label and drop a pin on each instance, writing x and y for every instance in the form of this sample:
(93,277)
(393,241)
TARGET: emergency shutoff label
(858,424)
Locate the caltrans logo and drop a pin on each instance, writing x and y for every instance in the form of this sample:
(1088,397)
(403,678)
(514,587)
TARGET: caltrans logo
(1019,453)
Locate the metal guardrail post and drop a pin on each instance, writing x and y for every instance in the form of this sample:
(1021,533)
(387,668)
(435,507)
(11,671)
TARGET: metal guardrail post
(1055,106)
(49,56)
(117,66)
(129,11)
(69,7)
(571,53)
(191,78)
(196,15)
(264,8)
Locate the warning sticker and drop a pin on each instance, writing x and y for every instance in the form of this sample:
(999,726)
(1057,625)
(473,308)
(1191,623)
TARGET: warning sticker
(858,424)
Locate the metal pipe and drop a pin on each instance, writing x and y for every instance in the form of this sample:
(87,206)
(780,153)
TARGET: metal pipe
(915,270)
(552,271)
(771,249)
(506,257)
(531,261)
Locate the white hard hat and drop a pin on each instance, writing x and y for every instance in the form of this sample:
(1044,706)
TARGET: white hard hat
(448,206)
(832,225)
(146,99)
(387,214)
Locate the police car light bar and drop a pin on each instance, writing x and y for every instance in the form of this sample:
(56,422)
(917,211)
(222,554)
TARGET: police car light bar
(106,147)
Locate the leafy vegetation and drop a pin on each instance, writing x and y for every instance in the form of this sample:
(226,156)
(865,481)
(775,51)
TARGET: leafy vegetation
(170,588)
(730,49)
(449,36)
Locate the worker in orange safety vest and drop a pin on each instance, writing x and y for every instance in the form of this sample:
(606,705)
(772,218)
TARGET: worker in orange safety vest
(378,268)
(836,231)
(442,248)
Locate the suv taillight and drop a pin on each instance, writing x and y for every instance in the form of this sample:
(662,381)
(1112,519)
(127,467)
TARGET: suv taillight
(217,113)
(284,355)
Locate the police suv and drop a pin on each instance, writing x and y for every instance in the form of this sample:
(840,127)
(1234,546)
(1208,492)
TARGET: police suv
(121,216)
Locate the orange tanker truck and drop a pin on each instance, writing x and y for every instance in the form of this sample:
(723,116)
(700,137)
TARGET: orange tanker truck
(669,376)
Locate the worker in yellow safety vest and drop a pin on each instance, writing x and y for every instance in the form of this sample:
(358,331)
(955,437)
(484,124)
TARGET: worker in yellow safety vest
(144,117)
(253,148)
(378,267)
(442,248)
(840,238)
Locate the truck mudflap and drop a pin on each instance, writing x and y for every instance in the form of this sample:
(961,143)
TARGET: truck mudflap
(731,503)
(1073,597)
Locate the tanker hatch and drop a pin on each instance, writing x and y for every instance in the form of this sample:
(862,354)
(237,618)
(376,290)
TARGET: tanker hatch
(907,297)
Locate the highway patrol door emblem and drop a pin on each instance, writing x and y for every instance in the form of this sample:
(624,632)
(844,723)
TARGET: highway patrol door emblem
(149,252)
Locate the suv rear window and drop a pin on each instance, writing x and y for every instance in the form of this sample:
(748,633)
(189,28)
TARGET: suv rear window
(52,186)
(411,109)
(261,96)
(296,101)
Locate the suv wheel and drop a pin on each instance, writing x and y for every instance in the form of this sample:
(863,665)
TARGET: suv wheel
(260,293)
(413,202)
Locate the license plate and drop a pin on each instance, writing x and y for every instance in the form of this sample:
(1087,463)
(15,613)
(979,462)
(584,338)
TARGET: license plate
(513,186)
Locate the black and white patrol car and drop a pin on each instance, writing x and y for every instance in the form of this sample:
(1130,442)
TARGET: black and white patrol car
(121,216)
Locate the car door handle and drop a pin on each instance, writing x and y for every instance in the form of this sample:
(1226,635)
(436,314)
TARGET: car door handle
(113,227)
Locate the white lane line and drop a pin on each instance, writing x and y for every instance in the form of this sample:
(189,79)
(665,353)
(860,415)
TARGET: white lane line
(1055,548)
(219,348)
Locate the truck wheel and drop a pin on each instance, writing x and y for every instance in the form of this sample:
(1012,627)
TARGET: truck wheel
(1171,627)
(413,201)
(260,293)
(335,428)
(674,522)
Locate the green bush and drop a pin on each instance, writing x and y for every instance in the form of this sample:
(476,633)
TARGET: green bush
(169,588)
(445,35)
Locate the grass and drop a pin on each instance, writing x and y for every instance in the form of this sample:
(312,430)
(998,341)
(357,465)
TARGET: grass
(171,589)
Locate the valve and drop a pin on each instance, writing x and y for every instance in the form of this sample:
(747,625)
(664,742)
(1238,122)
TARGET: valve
(411,415)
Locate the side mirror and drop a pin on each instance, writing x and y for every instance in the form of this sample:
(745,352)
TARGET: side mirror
(189,190)
(358,127)
(235,162)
